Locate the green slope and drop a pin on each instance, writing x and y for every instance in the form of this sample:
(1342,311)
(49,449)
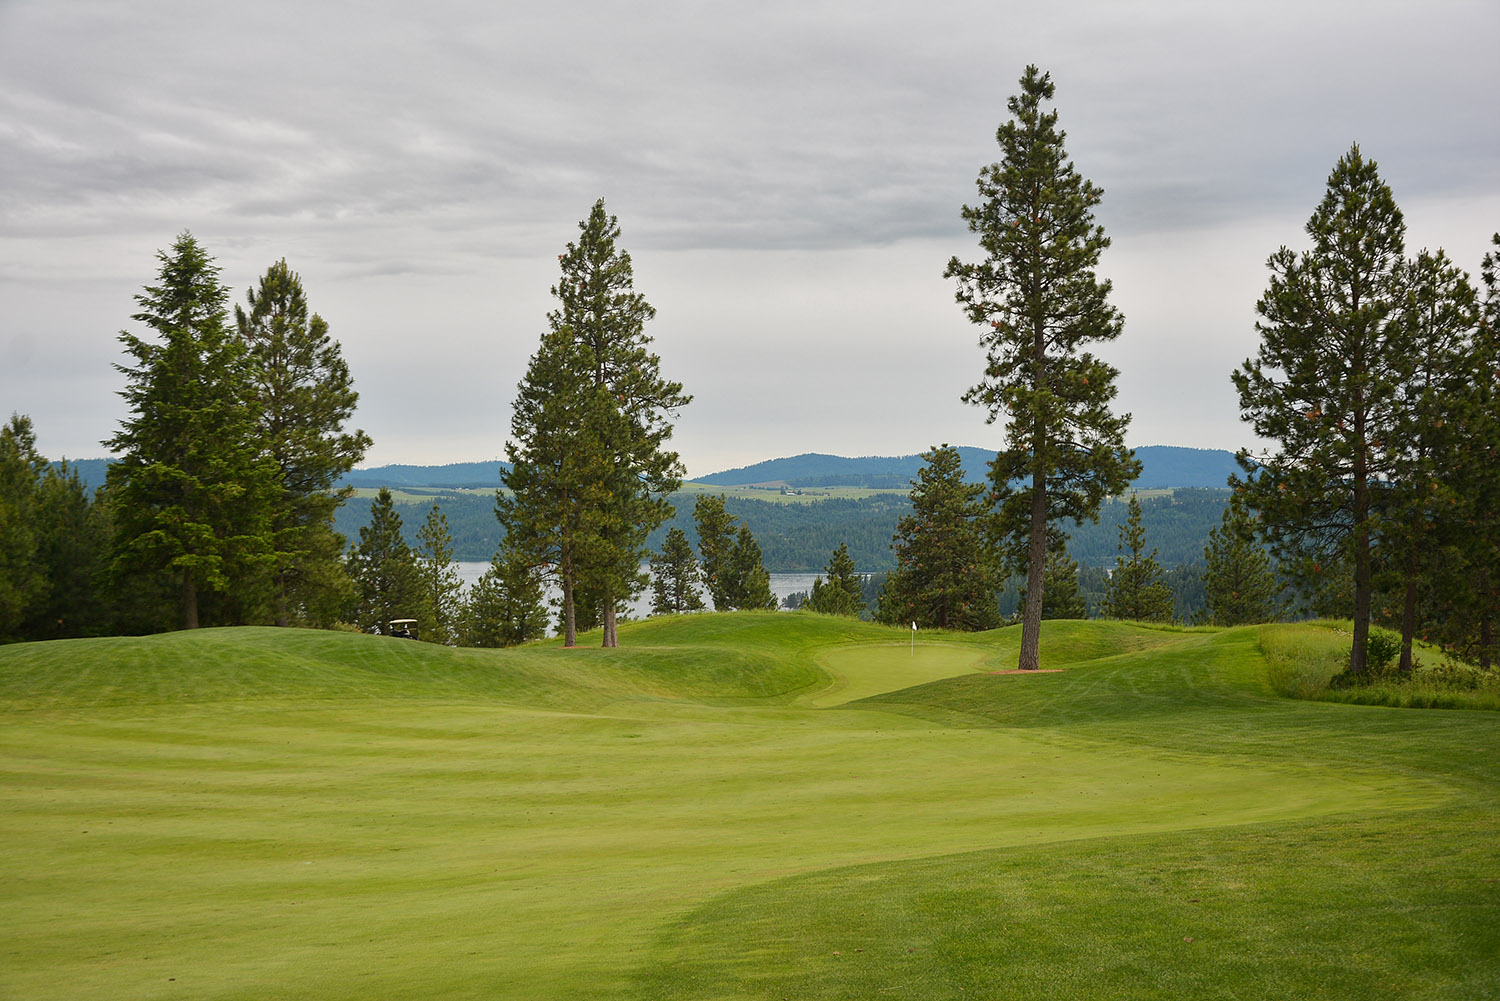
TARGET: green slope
(730,806)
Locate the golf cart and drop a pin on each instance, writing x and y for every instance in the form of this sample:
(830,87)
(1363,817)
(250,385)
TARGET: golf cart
(405,629)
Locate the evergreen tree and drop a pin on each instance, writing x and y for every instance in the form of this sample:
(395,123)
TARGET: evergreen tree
(1062,598)
(945,576)
(303,396)
(556,505)
(442,590)
(1189,599)
(384,570)
(23,582)
(674,576)
(733,569)
(72,549)
(1137,589)
(1435,402)
(1237,579)
(1465,603)
(1038,302)
(843,593)
(621,419)
(716,538)
(1336,348)
(749,584)
(505,606)
(192,496)
(54,545)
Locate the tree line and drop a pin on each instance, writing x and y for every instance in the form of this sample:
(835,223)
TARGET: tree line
(948,574)
(1376,378)
(1376,381)
(796,537)
(219,506)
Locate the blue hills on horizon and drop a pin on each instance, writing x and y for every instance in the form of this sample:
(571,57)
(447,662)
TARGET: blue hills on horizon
(1163,466)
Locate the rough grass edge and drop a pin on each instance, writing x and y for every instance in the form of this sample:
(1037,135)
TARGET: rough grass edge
(1303,658)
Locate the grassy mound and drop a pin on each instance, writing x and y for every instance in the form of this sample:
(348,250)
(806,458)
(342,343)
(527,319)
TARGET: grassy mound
(730,806)
(262,663)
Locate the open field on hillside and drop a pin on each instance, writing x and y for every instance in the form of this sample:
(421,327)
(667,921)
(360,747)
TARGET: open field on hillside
(803,495)
(419,495)
(731,806)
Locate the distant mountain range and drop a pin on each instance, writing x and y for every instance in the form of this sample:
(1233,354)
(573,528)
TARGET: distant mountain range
(1163,466)
(454,476)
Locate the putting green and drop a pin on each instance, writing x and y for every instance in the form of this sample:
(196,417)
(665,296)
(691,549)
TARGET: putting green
(862,671)
(336,846)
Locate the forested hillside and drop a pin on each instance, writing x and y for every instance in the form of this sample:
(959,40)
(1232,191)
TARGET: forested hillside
(814,469)
(799,536)
(795,536)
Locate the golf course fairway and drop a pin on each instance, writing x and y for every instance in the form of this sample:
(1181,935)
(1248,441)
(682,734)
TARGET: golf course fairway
(749,805)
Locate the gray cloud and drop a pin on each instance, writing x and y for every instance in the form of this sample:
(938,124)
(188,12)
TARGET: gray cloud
(422,165)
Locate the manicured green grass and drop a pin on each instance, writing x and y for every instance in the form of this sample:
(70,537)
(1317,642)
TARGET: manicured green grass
(264,813)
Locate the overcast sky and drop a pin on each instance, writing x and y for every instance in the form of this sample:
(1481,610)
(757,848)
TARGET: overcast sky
(787,176)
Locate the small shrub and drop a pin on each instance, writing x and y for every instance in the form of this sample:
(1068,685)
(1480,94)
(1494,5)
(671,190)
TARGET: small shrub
(1381,648)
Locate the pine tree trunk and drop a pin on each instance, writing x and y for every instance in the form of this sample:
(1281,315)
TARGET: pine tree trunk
(1409,614)
(1362,569)
(282,618)
(189,601)
(611,634)
(570,624)
(1486,605)
(1362,575)
(1031,618)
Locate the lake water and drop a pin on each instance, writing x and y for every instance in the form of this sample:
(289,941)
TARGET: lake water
(782,584)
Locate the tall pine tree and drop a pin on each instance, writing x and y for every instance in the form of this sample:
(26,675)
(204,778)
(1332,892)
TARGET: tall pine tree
(556,505)
(1336,349)
(1466,598)
(602,367)
(1435,400)
(304,397)
(1039,302)
(191,492)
